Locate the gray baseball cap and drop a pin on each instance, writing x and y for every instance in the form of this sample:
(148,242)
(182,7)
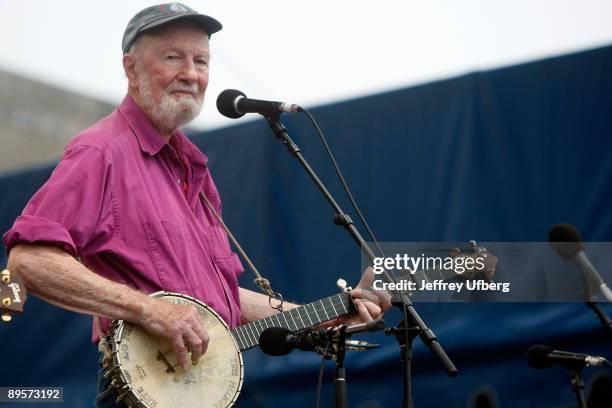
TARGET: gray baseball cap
(156,16)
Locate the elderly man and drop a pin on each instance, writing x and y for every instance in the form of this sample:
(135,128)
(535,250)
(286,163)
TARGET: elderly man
(124,200)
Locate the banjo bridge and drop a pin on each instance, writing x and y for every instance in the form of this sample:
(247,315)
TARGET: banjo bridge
(162,357)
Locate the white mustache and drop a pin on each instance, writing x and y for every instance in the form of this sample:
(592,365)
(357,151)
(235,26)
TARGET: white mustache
(191,89)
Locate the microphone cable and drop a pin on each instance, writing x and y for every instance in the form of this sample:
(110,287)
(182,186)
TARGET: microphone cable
(341,178)
(320,379)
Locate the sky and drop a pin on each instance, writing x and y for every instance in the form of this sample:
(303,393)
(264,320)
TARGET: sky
(310,53)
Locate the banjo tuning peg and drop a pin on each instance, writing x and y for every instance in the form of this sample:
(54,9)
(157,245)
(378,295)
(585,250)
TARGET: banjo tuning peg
(342,285)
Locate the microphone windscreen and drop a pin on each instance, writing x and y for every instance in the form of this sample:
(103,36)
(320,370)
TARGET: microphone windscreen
(273,341)
(537,356)
(566,240)
(226,103)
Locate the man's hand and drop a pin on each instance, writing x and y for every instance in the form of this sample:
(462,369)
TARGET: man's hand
(371,304)
(180,325)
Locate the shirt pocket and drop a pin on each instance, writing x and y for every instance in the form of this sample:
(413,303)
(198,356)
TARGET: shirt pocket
(168,253)
(230,266)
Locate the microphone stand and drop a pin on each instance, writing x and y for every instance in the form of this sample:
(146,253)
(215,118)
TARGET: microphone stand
(578,386)
(338,336)
(603,318)
(340,392)
(411,317)
(404,336)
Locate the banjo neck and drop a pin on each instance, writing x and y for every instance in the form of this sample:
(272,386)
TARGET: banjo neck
(296,319)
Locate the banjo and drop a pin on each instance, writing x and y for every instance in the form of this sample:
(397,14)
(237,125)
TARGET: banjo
(146,374)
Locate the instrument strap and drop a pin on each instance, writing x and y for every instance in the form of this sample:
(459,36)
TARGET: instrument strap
(260,281)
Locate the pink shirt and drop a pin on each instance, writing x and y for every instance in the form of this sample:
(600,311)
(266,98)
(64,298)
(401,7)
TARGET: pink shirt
(117,200)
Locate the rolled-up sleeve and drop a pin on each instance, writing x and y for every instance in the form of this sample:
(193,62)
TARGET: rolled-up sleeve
(73,209)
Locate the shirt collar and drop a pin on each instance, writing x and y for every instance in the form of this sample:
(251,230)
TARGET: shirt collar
(149,138)
(186,147)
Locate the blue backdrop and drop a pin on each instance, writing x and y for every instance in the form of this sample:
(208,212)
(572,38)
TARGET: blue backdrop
(493,156)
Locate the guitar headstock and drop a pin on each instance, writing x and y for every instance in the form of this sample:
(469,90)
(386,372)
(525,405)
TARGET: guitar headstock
(486,259)
(476,262)
(12,294)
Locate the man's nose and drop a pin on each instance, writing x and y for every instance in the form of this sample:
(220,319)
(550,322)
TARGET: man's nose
(188,72)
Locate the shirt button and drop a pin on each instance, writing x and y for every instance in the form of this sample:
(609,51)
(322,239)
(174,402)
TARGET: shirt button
(178,181)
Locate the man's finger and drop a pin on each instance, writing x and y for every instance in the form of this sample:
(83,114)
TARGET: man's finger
(367,278)
(365,294)
(364,315)
(195,345)
(374,311)
(180,351)
(384,299)
(202,335)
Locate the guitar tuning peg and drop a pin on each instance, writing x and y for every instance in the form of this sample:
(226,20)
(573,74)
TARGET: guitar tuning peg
(6,317)
(473,244)
(5,275)
(6,302)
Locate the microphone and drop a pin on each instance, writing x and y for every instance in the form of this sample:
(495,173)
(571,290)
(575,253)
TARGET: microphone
(541,356)
(566,240)
(278,341)
(234,104)
(373,325)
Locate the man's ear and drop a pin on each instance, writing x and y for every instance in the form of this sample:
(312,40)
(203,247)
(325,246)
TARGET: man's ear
(129,66)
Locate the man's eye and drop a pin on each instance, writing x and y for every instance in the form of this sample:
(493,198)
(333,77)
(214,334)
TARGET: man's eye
(171,57)
(201,62)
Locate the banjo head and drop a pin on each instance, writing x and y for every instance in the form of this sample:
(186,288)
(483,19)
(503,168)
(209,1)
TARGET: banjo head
(147,373)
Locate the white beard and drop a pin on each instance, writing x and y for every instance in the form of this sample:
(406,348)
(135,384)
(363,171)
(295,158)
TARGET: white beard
(170,113)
